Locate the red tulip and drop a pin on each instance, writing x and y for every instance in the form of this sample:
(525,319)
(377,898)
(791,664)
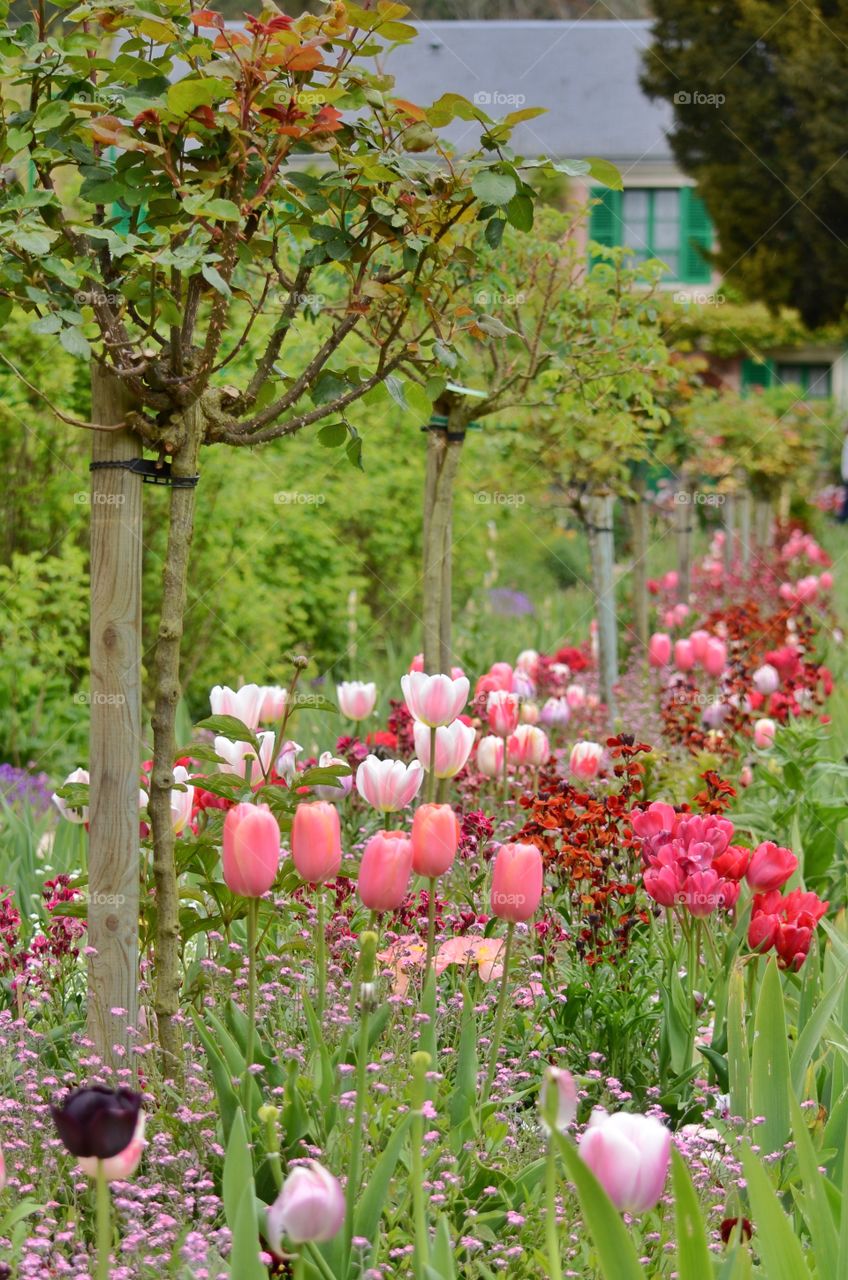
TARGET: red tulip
(770,867)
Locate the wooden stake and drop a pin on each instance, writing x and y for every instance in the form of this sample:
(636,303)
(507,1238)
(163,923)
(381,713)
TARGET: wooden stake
(602,546)
(639,538)
(684,517)
(115,738)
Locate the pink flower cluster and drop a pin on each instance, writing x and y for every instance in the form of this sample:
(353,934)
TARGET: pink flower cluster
(689,860)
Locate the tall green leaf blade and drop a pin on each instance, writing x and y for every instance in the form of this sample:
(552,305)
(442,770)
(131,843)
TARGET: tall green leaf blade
(810,1038)
(738,1060)
(770,1078)
(777,1244)
(610,1237)
(816,1207)
(693,1256)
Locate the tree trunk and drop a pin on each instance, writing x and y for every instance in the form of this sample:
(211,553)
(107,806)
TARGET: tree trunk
(729,531)
(683,524)
(762,524)
(745,528)
(443,457)
(639,537)
(167,695)
(601,543)
(115,736)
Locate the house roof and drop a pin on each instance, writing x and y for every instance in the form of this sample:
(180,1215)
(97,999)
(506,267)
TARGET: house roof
(585,73)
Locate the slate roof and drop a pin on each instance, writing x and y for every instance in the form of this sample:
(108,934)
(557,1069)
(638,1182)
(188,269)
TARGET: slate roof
(585,73)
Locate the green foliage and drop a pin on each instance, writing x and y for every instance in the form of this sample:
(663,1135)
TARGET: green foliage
(782,238)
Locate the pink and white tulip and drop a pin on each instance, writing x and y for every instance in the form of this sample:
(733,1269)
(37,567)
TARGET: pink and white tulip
(454,743)
(244,703)
(434,700)
(356,699)
(629,1154)
(502,712)
(529,746)
(490,756)
(389,785)
(309,1208)
(585,760)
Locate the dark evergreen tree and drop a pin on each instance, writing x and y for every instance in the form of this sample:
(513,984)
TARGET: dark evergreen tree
(760,96)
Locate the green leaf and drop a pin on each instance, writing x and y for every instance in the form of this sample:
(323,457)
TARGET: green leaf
(815,1204)
(693,1255)
(777,1244)
(229,727)
(463,1100)
(810,1038)
(738,1060)
(213,276)
(520,211)
(75,343)
(207,206)
(187,95)
(770,1079)
(238,1168)
(333,435)
(51,115)
(369,1210)
(244,1252)
(494,231)
(494,188)
(328,387)
(605,172)
(442,1254)
(613,1242)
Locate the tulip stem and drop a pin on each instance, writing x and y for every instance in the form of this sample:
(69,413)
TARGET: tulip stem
(358,1119)
(250,1038)
(431,925)
(321,950)
(505,779)
(299,1272)
(554,1263)
(431,776)
(104,1223)
(499,1016)
(420,1065)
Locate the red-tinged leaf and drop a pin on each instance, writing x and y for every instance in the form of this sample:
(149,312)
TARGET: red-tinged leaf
(307,58)
(409,109)
(146,117)
(230,40)
(328,120)
(106,129)
(207,18)
(204,115)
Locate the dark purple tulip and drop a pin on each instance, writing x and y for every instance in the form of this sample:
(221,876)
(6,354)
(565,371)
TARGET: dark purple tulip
(97,1121)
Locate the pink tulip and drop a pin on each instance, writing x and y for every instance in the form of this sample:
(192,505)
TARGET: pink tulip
(529,713)
(502,672)
(555,712)
(69,814)
(746,776)
(826,581)
(684,655)
(770,867)
(629,1155)
(502,712)
(435,839)
(764,731)
(326,791)
(575,696)
(699,641)
(453,746)
(517,882)
(522,685)
(309,1208)
(244,703)
(786,591)
(235,755)
(529,746)
(806,589)
(316,842)
(251,850)
(681,613)
(766,679)
(417,663)
(528,660)
(561,1085)
(490,756)
(670,580)
(585,759)
(385,870)
(388,785)
(273,704)
(120,1167)
(434,700)
(659,649)
(715,657)
(356,700)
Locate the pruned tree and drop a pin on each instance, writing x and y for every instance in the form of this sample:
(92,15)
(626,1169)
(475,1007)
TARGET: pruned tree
(178,193)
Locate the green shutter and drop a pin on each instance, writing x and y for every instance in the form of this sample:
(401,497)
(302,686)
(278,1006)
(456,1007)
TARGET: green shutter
(605,218)
(756,373)
(696,238)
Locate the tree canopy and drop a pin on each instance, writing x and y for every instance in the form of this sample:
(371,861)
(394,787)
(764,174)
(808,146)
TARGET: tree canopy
(760,110)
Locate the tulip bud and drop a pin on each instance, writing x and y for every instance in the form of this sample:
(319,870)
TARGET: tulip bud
(764,731)
(629,1154)
(251,850)
(517,882)
(557,1099)
(385,870)
(309,1208)
(435,839)
(490,754)
(316,841)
